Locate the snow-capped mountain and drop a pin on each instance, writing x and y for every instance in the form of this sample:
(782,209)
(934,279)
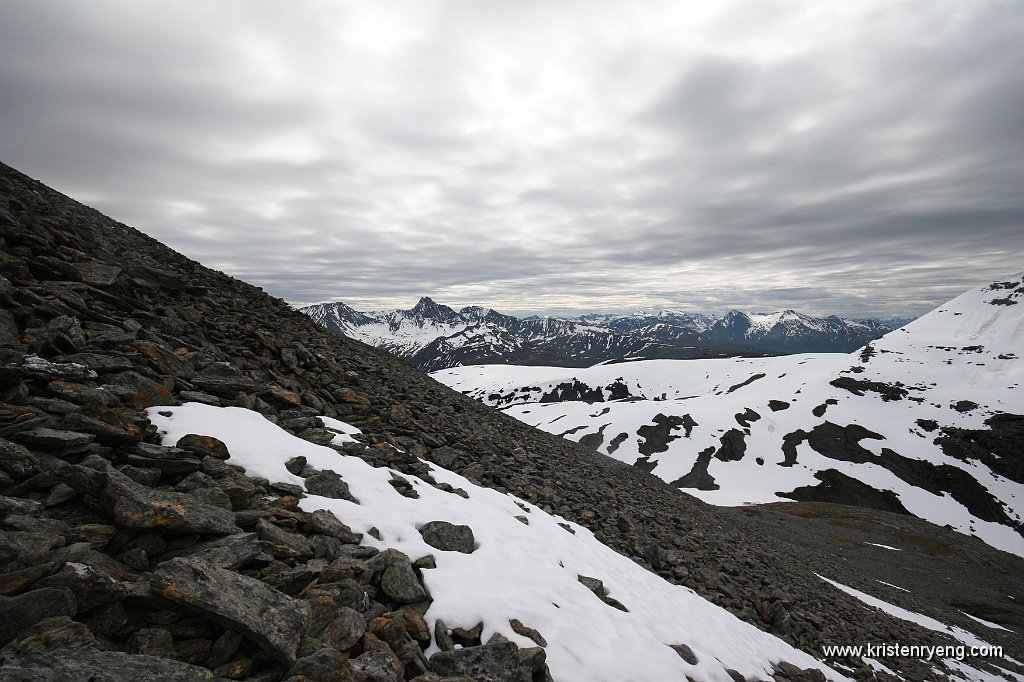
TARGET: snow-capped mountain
(434,336)
(926,420)
(792,332)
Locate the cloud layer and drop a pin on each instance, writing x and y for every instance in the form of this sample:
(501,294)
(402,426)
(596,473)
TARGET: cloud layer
(541,157)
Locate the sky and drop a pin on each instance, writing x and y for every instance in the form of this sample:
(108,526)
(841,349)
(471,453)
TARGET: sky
(537,156)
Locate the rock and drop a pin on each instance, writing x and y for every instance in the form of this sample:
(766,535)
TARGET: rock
(94,578)
(98,274)
(50,634)
(203,446)
(28,608)
(376,666)
(135,389)
(223,380)
(326,523)
(9,333)
(498,661)
(157,277)
(114,620)
(442,636)
(53,439)
(448,537)
(134,506)
(329,484)
(151,642)
(164,360)
(525,631)
(271,619)
(324,665)
(334,624)
(166,459)
(685,653)
(17,461)
(228,552)
(100,666)
(224,648)
(282,543)
(398,580)
(36,367)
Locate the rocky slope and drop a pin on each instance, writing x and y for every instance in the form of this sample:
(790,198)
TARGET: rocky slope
(924,421)
(127,557)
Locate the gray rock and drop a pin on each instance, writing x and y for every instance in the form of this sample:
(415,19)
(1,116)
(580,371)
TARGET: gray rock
(520,629)
(324,522)
(685,653)
(282,543)
(398,580)
(228,552)
(134,389)
(17,461)
(36,367)
(51,634)
(28,608)
(497,661)
(336,625)
(9,332)
(448,537)
(167,459)
(134,506)
(376,666)
(54,438)
(329,484)
(442,636)
(324,665)
(223,380)
(94,578)
(151,642)
(203,446)
(273,620)
(98,666)
(98,274)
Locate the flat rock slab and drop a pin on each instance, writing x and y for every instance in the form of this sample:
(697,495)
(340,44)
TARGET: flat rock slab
(273,620)
(498,661)
(138,507)
(98,666)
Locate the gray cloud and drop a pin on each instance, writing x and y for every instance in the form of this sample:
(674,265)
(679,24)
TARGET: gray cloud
(541,157)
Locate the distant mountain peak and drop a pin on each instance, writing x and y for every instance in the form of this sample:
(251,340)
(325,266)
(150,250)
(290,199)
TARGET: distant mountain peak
(434,336)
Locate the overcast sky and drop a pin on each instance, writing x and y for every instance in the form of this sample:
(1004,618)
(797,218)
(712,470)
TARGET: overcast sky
(549,156)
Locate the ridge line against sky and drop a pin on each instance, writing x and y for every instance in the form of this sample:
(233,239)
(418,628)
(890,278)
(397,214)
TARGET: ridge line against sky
(863,159)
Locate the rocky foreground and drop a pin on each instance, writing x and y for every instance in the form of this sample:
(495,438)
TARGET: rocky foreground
(124,559)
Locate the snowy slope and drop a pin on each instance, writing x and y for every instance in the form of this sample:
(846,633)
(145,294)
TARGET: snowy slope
(526,565)
(911,423)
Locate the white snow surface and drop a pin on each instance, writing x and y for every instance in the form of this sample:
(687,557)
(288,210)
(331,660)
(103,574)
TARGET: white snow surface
(529,572)
(924,621)
(963,669)
(970,350)
(988,624)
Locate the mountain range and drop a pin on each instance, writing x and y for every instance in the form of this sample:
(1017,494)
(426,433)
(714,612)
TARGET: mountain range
(433,336)
(925,420)
(199,482)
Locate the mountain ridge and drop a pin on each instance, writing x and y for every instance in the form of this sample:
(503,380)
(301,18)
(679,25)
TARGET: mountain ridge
(433,336)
